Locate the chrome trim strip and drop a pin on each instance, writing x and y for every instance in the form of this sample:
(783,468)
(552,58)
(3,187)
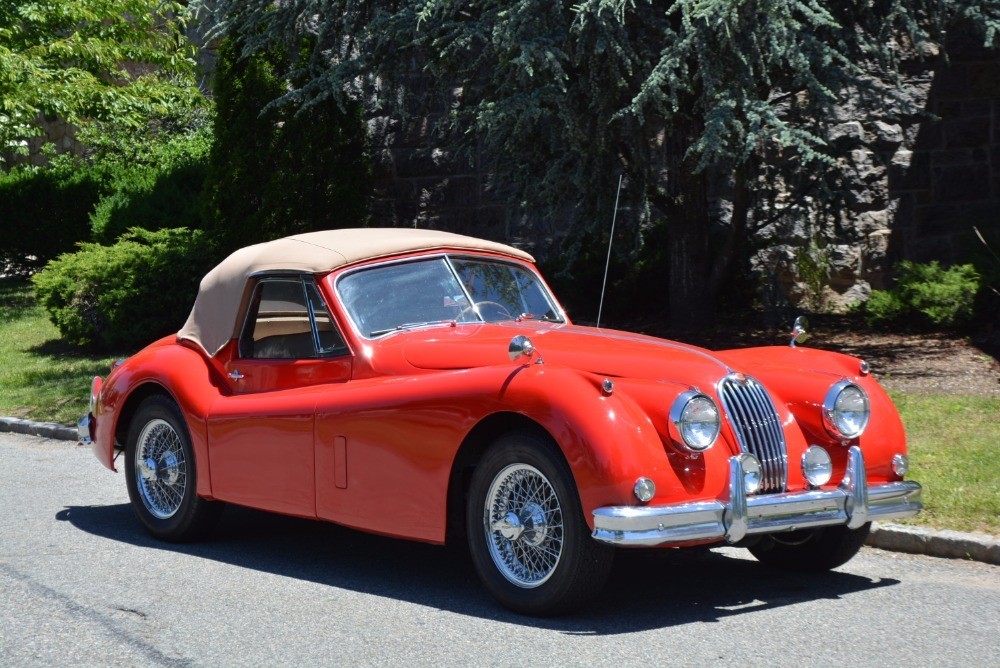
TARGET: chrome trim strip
(853,504)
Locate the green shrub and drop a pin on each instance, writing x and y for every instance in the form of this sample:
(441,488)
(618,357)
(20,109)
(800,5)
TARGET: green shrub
(45,210)
(156,189)
(927,295)
(275,172)
(127,294)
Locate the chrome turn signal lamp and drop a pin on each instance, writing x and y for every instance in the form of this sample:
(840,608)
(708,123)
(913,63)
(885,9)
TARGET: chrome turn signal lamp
(845,410)
(753,474)
(816,466)
(644,489)
(900,464)
(695,421)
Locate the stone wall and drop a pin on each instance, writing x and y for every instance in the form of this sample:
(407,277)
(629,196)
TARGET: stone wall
(912,185)
(60,135)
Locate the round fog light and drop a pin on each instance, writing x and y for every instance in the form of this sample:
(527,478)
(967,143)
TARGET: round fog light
(644,489)
(752,473)
(816,466)
(900,464)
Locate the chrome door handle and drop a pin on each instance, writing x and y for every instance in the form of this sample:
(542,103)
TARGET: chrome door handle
(235,374)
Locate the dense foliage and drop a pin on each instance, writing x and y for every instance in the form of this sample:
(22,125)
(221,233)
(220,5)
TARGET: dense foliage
(560,96)
(148,179)
(156,188)
(84,60)
(275,172)
(128,294)
(45,210)
(927,295)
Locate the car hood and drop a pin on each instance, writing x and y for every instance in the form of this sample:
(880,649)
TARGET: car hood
(600,351)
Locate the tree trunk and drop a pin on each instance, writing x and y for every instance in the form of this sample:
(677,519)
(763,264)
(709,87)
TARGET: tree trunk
(685,208)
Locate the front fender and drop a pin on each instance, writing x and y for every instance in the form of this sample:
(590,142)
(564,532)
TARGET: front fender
(800,378)
(611,440)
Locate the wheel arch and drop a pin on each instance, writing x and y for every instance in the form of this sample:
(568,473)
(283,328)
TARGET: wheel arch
(135,397)
(473,446)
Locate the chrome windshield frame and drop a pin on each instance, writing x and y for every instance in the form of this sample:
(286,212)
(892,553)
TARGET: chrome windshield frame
(447,257)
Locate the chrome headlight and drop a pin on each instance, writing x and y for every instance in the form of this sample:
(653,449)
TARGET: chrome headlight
(695,419)
(845,410)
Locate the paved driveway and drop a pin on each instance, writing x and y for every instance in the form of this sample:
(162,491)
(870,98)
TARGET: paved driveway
(81,583)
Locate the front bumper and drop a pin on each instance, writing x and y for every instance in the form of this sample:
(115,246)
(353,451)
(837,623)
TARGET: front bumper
(853,504)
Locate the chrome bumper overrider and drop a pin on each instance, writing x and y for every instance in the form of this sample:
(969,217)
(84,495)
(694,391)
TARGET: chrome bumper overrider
(853,503)
(83,429)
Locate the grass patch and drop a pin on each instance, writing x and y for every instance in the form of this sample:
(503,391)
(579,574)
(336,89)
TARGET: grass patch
(953,454)
(41,378)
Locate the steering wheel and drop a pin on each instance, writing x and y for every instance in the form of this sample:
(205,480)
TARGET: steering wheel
(494,311)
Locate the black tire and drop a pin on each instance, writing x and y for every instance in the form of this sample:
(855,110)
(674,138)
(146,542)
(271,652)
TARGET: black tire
(811,550)
(163,490)
(526,463)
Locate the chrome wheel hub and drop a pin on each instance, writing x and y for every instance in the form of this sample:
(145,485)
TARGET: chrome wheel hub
(160,469)
(523,522)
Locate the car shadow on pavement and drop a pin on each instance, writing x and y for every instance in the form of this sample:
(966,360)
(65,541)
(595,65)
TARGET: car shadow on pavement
(647,589)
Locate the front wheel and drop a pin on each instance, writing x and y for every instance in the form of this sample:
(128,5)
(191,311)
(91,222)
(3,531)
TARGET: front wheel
(811,550)
(527,536)
(161,476)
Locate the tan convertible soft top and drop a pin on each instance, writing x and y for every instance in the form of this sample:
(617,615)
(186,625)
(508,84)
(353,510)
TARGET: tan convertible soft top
(212,322)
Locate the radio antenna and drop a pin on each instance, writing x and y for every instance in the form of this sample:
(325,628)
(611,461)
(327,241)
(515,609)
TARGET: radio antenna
(607,262)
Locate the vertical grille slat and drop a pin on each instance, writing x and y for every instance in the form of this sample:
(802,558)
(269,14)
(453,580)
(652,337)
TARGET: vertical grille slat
(777,436)
(755,444)
(770,447)
(758,429)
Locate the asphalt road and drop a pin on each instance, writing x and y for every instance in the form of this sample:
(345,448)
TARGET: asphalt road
(82,584)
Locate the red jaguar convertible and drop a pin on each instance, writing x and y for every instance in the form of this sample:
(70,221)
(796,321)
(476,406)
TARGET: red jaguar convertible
(427,385)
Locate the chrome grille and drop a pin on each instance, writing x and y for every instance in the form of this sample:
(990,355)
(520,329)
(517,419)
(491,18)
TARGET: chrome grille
(758,429)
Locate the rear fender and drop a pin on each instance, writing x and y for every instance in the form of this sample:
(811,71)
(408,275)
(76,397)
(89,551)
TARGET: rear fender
(178,371)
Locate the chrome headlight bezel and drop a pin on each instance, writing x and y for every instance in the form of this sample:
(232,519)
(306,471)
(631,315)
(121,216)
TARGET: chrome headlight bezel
(679,423)
(831,410)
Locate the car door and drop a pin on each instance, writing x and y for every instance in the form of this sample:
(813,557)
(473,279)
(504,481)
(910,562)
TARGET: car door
(261,446)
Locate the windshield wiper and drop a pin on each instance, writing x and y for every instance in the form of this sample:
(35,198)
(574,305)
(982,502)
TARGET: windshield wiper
(413,325)
(538,316)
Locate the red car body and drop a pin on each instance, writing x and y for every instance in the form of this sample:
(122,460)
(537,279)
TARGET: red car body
(383,438)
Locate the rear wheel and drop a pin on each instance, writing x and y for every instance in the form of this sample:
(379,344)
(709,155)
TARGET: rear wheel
(811,550)
(161,475)
(527,536)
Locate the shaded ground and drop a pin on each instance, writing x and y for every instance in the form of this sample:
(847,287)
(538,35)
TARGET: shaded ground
(917,363)
(922,363)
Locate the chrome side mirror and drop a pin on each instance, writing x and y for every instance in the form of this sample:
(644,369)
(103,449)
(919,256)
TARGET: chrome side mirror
(799,333)
(520,346)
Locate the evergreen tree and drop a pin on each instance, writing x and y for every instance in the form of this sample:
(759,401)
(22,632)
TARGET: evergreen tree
(275,172)
(561,95)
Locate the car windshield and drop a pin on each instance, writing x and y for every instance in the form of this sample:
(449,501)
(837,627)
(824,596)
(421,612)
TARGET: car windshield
(437,290)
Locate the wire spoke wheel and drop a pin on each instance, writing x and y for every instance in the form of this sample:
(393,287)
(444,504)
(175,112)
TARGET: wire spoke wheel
(160,469)
(523,522)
